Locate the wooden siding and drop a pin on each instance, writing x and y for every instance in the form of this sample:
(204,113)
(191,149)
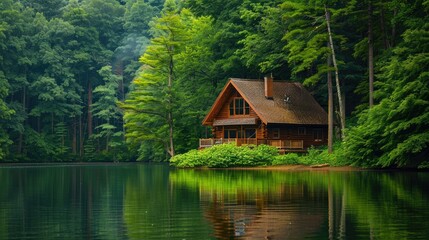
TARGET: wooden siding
(291,132)
(224,111)
(286,133)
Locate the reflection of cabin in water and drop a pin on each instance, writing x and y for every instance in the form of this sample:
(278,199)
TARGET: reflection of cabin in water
(277,113)
(247,215)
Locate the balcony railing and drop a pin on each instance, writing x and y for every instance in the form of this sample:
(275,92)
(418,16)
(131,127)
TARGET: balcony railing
(278,143)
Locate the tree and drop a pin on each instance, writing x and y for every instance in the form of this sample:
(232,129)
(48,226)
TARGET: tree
(15,60)
(153,98)
(5,113)
(137,16)
(170,96)
(262,40)
(106,16)
(49,8)
(309,28)
(394,132)
(370,55)
(105,107)
(337,80)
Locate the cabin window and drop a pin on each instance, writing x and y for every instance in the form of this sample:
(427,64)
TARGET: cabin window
(230,133)
(250,133)
(246,108)
(276,133)
(302,131)
(317,135)
(239,107)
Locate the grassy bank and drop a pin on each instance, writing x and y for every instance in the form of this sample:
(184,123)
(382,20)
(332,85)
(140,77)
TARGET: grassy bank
(229,155)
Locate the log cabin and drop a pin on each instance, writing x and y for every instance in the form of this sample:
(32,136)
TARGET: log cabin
(277,113)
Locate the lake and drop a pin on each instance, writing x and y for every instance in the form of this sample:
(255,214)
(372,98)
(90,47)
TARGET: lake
(148,201)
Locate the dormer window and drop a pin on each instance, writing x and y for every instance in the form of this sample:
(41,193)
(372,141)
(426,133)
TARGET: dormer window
(238,106)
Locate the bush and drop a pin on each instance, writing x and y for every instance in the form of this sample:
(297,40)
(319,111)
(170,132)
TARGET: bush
(314,156)
(229,155)
(193,158)
(287,159)
(226,155)
(321,156)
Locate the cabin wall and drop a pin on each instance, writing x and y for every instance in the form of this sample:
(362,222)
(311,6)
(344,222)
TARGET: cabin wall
(311,135)
(219,131)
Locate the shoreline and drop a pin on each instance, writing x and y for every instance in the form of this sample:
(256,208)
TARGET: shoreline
(291,168)
(301,168)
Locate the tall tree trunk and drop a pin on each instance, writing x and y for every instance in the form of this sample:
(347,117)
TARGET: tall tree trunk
(337,79)
(395,12)
(89,108)
(370,57)
(383,27)
(330,107)
(170,108)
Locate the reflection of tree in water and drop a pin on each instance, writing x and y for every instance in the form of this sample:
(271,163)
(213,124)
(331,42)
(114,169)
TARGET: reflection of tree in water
(319,204)
(265,216)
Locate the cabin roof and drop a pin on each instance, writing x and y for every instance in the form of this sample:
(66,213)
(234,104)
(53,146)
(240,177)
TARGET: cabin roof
(291,103)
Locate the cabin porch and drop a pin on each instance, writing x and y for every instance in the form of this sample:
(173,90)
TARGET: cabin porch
(283,145)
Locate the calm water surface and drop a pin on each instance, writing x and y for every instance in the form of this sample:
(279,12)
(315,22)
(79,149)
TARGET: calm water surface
(157,202)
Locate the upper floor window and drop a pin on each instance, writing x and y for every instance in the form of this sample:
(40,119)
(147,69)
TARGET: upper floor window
(239,107)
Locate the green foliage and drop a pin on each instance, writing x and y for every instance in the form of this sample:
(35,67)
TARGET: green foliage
(60,135)
(39,146)
(286,159)
(172,83)
(226,155)
(105,108)
(5,115)
(53,55)
(314,157)
(393,133)
(50,52)
(263,48)
(90,151)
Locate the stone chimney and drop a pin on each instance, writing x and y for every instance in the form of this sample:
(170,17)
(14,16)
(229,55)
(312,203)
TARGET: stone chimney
(268,83)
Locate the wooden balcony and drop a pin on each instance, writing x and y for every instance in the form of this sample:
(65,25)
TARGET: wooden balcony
(284,145)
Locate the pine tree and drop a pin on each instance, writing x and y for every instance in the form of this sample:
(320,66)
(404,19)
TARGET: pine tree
(105,107)
(152,101)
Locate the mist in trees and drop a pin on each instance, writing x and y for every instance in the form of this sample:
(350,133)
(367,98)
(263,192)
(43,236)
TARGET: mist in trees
(131,80)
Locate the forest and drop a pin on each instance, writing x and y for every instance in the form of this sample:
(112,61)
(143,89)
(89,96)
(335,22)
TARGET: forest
(131,80)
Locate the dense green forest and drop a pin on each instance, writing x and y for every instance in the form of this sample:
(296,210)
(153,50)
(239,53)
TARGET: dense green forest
(124,80)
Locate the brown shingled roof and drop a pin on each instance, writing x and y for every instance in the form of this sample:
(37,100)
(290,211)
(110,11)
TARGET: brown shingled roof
(301,108)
